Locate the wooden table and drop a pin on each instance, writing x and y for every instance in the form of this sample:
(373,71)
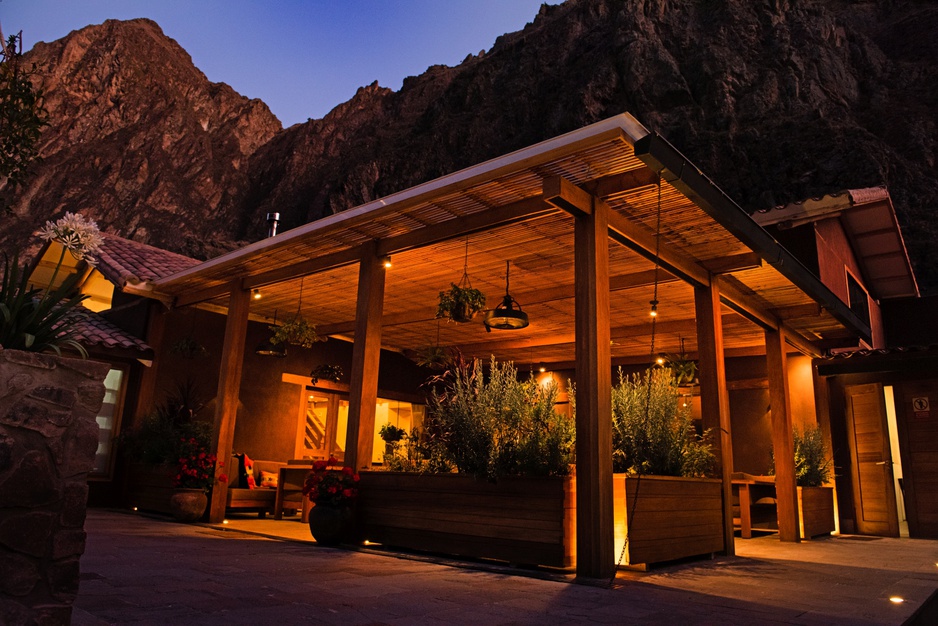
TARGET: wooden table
(290,481)
(751,489)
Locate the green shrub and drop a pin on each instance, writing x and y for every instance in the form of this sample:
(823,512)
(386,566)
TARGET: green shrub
(652,433)
(812,464)
(495,425)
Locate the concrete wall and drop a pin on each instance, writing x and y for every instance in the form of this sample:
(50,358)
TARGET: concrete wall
(48,438)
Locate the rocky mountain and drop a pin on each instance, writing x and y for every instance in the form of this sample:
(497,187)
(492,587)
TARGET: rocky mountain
(775,100)
(139,140)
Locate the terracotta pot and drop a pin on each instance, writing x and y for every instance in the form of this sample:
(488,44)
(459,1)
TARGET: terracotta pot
(330,525)
(188,505)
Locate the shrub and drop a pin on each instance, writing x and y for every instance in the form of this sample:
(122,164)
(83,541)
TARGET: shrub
(812,464)
(495,425)
(652,433)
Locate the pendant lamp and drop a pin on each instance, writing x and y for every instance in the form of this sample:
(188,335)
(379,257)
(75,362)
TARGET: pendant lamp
(508,314)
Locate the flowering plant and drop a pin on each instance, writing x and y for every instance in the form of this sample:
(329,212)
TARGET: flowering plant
(38,320)
(196,466)
(335,487)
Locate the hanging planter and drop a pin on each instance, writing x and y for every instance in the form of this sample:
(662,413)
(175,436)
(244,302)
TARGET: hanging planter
(298,331)
(462,302)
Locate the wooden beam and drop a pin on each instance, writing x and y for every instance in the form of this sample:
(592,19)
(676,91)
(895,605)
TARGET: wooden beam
(229,388)
(635,237)
(595,538)
(552,294)
(620,183)
(732,263)
(798,311)
(620,332)
(714,397)
(202,295)
(563,194)
(146,393)
(366,357)
(786,492)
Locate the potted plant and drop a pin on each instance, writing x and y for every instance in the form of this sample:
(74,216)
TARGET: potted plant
(665,503)
(333,492)
(392,436)
(155,448)
(511,497)
(195,477)
(296,332)
(813,470)
(461,303)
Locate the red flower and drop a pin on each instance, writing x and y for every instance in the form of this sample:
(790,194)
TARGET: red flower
(223,478)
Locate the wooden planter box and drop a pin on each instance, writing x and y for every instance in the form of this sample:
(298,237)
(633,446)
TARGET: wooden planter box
(815,511)
(674,517)
(149,487)
(520,520)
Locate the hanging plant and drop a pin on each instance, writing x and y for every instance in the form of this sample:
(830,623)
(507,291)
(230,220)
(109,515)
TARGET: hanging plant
(462,301)
(682,368)
(188,348)
(435,358)
(332,373)
(298,331)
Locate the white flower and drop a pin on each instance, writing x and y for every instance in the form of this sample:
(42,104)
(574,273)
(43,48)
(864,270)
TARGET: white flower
(80,236)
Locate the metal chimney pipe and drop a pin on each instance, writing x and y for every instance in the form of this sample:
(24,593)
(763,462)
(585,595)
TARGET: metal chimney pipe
(272,220)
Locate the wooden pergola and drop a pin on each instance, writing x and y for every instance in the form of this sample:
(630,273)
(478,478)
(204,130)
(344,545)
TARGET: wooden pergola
(578,218)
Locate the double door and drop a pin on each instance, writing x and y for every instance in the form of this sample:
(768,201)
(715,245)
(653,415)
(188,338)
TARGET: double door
(324,425)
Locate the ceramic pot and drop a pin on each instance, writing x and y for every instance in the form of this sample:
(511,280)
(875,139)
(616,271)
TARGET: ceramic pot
(330,525)
(188,505)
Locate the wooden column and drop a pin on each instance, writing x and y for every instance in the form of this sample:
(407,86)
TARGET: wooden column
(146,394)
(229,388)
(786,492)
(714,397)
(366,357)
(595,539)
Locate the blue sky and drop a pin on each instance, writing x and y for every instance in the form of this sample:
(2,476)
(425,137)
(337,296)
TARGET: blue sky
(301,57)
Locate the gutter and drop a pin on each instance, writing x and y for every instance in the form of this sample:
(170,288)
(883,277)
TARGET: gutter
(659,155)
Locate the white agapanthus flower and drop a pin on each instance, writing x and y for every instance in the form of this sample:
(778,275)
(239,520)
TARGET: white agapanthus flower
(80,236)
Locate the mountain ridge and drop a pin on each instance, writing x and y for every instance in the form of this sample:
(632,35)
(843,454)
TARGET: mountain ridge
(776,101)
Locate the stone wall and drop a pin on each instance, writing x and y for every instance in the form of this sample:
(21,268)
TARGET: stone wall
(48,438)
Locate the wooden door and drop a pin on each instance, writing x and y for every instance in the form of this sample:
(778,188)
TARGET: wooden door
(874,493)
(917,413)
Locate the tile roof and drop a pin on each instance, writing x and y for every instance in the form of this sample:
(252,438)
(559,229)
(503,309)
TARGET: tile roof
(124,261)
(93,331)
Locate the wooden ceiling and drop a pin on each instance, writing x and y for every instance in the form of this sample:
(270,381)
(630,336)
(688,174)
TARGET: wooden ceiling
(500,209)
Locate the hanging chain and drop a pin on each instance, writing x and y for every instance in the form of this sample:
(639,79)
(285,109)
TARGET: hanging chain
(299,306)
(465,267)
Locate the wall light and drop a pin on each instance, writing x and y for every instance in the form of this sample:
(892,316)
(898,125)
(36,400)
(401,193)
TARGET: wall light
(896,600)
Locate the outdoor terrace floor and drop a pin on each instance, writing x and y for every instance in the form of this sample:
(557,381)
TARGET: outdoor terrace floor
(141,570)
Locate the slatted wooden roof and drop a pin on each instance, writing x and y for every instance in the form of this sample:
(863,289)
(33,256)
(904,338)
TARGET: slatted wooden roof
(501,208)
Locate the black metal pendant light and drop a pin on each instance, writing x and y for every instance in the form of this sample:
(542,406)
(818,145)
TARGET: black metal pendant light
(507,315)
(268,348)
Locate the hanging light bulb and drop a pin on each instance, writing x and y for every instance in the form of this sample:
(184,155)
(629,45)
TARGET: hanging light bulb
(386,261)
(508,314)
(256,294)
(654,308)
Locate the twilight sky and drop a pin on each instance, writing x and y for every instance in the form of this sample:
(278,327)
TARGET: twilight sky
(301,57)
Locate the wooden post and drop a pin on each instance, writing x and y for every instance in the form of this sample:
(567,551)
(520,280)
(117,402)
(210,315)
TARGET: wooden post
(595,538)
(714,397)
(229,387)
(786,491)
(366,357)
(146,394)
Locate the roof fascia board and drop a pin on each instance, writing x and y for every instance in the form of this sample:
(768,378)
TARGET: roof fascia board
(658,154)
(621,126)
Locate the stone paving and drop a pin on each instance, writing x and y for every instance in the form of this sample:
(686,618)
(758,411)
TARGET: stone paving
(139,570)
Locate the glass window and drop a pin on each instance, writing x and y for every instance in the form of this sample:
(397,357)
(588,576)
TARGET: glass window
(859,303)
(404,415)
(108,421)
